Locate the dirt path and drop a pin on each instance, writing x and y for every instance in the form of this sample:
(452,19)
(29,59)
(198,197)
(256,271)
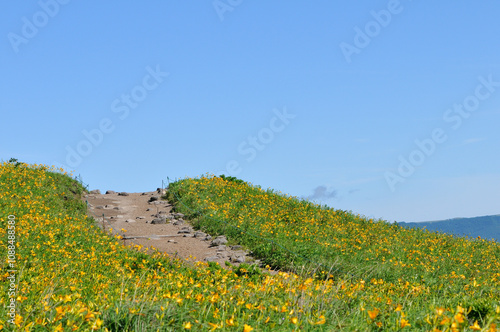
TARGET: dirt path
(145,219)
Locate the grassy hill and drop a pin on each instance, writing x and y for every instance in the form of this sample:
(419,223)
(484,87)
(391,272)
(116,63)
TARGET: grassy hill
(341,272)
(487,227)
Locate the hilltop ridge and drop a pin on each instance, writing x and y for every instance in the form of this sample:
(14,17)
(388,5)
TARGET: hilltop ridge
(344,272)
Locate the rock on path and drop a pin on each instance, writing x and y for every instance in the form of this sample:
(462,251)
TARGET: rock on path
(145,219)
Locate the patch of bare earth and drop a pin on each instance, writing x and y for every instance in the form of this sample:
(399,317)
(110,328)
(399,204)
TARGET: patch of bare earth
(145,219)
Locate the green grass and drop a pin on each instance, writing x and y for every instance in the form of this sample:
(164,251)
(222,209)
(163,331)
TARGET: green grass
(351,273)
(292,234)
(72,276)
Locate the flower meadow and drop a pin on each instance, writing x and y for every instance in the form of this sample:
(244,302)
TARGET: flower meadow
(339,271)
(385,277)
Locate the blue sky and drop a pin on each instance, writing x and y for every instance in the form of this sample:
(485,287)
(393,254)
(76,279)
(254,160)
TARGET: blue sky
(389,109)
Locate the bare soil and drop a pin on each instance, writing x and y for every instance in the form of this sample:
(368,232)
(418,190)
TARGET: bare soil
(130,216)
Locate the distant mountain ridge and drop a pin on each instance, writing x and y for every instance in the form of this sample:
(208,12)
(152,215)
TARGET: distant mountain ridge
(487,227)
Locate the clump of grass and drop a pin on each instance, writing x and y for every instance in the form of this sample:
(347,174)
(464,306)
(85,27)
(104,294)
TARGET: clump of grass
(387,265)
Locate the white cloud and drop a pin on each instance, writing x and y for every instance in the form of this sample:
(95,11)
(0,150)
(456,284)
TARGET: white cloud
(474,140)
(322,192)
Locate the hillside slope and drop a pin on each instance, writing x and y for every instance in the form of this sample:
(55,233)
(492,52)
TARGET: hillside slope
(388,262)
(353,274)
(65,274)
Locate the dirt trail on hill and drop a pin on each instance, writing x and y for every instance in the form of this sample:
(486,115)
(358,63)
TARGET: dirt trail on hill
(145,219)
